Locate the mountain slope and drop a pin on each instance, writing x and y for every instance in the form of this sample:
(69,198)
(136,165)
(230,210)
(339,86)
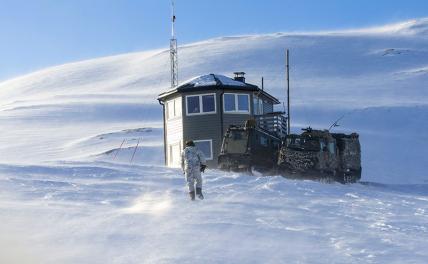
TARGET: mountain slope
(75,188)
(332,72)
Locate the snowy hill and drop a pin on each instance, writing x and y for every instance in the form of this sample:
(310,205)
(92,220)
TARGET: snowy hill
(65,187)
(335,72)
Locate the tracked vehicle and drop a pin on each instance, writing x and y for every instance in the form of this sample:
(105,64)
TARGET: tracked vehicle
(321,155)
(248,148)
(267,145)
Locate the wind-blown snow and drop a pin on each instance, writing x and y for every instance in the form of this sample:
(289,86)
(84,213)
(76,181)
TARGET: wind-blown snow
(106,213)
(75,188)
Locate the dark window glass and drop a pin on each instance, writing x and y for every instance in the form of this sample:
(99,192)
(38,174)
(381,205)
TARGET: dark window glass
(208,103)
(237,142)
(243,102)
(331,148)
(193,105)
(229,102)
(264,141)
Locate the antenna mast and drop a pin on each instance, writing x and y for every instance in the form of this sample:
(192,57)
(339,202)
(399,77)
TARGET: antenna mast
(288,92)
(173,50)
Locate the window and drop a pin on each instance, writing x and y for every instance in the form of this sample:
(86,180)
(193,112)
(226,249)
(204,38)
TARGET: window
(322,146)
(208,103)
(170,109)
(177,107)
(236,103)
(331,148)
(264,141)
(243,104)
(237,142)
(258,105)
(200,104)
(173,108)
(193,106)
(229,102)
(206,146)
(175,155)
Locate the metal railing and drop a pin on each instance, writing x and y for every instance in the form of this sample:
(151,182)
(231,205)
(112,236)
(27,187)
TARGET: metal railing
(274,122)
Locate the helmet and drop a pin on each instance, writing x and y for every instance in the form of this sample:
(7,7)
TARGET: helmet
(190,143)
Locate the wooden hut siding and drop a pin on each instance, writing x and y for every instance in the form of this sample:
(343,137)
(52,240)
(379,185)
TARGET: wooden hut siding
(267,107)
(204,127)
(174,136)
(207,126)
(265,103)
(174,130)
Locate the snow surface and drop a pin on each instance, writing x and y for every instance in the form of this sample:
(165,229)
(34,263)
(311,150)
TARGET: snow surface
(228,81)
(210,80)
(200,81)
(69,192)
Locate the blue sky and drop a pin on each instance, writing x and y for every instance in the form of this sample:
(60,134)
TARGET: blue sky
(41,33)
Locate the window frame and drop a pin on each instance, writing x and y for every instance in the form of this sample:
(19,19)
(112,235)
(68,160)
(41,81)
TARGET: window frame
(201,106)
(211,147)
(173,102)
(237,111)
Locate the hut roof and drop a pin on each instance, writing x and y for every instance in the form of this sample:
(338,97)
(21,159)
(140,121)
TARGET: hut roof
(213,82)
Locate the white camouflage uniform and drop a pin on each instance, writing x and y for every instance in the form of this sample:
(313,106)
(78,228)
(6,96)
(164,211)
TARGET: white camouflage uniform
(191,160)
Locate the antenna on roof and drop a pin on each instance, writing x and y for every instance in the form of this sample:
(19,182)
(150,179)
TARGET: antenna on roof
(288,91)
(173,49)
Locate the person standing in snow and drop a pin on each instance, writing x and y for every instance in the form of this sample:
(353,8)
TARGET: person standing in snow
(193,163)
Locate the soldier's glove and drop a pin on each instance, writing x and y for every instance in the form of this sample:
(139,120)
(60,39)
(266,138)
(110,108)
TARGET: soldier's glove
(203,167)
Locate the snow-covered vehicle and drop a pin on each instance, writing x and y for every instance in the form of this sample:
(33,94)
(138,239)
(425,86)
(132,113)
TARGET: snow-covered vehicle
(319,154)
(248,147)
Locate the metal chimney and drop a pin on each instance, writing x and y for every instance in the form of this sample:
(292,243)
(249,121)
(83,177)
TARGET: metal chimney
(239,76)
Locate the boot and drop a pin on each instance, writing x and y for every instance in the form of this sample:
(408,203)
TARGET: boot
(199,193)
(192,195)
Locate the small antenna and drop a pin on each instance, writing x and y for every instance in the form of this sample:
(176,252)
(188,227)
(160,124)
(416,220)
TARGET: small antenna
(335,124)
(173,49)
(262,110)
(288,92)
(263,84)
(259,110)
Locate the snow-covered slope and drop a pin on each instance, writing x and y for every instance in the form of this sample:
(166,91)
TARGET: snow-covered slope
(382,68)
(64,185)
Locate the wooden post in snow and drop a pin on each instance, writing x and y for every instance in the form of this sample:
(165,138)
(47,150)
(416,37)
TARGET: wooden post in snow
(135,150)
(117,152)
